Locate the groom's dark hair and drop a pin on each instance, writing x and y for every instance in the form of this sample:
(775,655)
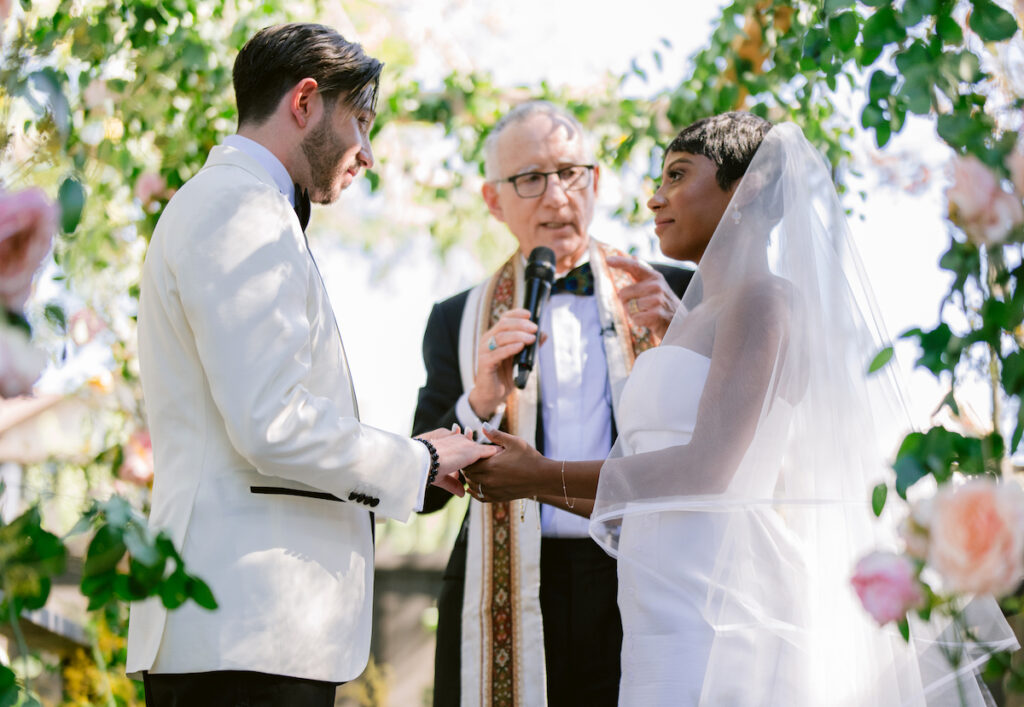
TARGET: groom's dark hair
(729,140)
(276,58)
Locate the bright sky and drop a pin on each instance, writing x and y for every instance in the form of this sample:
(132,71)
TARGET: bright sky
(382,313)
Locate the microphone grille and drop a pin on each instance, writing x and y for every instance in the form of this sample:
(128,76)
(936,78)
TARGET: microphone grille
(541,264)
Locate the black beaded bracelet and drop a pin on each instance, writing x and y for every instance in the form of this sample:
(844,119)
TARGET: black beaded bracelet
(435,462)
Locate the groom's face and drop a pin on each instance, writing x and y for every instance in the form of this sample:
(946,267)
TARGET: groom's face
(336,148)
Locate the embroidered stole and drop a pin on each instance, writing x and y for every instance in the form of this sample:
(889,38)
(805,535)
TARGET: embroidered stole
(502,630)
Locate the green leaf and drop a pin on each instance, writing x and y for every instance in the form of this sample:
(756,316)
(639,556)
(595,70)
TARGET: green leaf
(71,197)
(880,86)
(883,28)
(843,29)
(105,550)
(881,358)
(833,6)
(878,496)
(54,314)
(949,30)
(173,592)
(201,593)
(916,10)
(904,627)
(991,22)
(9,692)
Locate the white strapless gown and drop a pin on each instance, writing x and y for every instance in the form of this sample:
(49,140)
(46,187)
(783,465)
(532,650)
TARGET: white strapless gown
(673,627)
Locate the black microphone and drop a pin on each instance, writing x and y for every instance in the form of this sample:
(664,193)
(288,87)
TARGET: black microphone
(540,273)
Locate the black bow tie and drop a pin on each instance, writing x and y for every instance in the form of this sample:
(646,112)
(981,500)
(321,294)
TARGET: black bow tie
(302,208)
(578,281)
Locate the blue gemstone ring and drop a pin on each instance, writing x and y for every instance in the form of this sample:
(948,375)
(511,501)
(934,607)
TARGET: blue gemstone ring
(492,344)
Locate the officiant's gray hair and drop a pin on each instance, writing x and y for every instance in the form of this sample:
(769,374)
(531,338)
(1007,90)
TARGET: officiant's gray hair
(562,118)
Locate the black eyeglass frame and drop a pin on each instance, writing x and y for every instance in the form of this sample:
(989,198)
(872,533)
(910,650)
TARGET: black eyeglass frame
(513,180)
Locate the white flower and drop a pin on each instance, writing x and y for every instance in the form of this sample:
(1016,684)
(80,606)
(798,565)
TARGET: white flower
(21,363)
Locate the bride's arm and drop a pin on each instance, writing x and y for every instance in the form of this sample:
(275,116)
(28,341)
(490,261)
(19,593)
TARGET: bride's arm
(750,339)
(520,471)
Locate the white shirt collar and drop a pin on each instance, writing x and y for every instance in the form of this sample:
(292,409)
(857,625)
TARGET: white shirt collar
(267,161)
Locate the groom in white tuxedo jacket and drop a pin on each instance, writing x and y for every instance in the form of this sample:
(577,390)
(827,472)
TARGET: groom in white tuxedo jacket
(265,478)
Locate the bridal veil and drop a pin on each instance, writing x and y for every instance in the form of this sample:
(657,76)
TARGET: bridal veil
(790,436)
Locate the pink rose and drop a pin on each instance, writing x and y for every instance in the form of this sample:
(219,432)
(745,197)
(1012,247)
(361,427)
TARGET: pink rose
(150,186)
(977,537)
(978,204)
(1015,163)
(137,467)
(887,586)
(28,221)
(20,362)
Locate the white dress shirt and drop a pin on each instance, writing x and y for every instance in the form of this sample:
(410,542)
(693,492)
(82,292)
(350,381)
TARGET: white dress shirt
(575,396)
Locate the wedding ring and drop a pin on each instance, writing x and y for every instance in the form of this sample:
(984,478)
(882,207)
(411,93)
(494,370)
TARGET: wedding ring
(633,307)
(480,492)
(492,344)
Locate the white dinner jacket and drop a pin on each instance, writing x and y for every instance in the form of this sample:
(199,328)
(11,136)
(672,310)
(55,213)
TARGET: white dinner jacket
(254,423)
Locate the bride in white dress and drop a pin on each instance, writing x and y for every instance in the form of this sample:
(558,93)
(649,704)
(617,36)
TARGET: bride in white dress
(736,497)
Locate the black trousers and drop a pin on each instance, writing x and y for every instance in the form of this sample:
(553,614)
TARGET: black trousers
(235,688)
(582,628)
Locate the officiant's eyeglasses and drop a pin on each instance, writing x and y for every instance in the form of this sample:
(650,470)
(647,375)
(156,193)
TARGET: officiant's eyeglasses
(530,185)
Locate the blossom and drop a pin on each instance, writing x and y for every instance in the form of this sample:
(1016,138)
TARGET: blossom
(915,529)
(978,203)
(887,586)
(28,221)
(137,466)
(84,325)
(20,362)
(1015,163)
(977,537)
(150,186)
(95,94)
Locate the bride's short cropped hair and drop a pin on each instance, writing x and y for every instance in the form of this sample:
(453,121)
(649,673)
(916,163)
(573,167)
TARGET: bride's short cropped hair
(729,140)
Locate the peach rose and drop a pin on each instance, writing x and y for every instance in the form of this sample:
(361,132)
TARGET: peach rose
(150,186)
(20,362)
(84,325)
(137,467)
(977,537)
(978,204)
(28,221)
(887,586)
(1015,163)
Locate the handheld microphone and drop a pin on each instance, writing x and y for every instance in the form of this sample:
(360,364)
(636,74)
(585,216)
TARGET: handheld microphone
(540,273)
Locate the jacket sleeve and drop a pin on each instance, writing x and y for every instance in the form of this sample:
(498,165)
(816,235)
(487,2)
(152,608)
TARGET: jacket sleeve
(243,279)
(435,406)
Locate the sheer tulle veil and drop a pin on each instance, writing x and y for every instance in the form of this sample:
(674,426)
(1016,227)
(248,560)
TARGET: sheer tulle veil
(791,434)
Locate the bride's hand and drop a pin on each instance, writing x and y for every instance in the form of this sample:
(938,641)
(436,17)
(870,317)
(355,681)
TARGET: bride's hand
(516,471)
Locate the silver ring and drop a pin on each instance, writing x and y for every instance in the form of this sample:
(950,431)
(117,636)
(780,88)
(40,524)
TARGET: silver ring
(492,344)
(480,491)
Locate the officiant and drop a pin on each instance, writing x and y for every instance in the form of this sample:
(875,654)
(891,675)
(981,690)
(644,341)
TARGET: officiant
(526,592)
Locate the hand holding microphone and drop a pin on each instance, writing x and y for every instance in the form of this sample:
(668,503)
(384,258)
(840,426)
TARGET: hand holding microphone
(502,346)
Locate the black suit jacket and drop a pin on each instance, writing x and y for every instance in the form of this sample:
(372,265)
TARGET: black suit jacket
(435,407)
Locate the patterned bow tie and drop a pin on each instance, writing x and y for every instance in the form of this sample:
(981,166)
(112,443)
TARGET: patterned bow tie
(302,207)
(578,281)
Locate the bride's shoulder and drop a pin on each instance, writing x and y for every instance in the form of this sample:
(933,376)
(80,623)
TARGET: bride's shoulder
(767,299)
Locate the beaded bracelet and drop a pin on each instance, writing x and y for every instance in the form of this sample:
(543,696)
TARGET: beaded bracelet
(435,462)
(568,505)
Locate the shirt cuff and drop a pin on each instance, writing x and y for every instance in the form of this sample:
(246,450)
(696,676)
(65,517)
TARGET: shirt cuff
(468,419)
(426,474)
